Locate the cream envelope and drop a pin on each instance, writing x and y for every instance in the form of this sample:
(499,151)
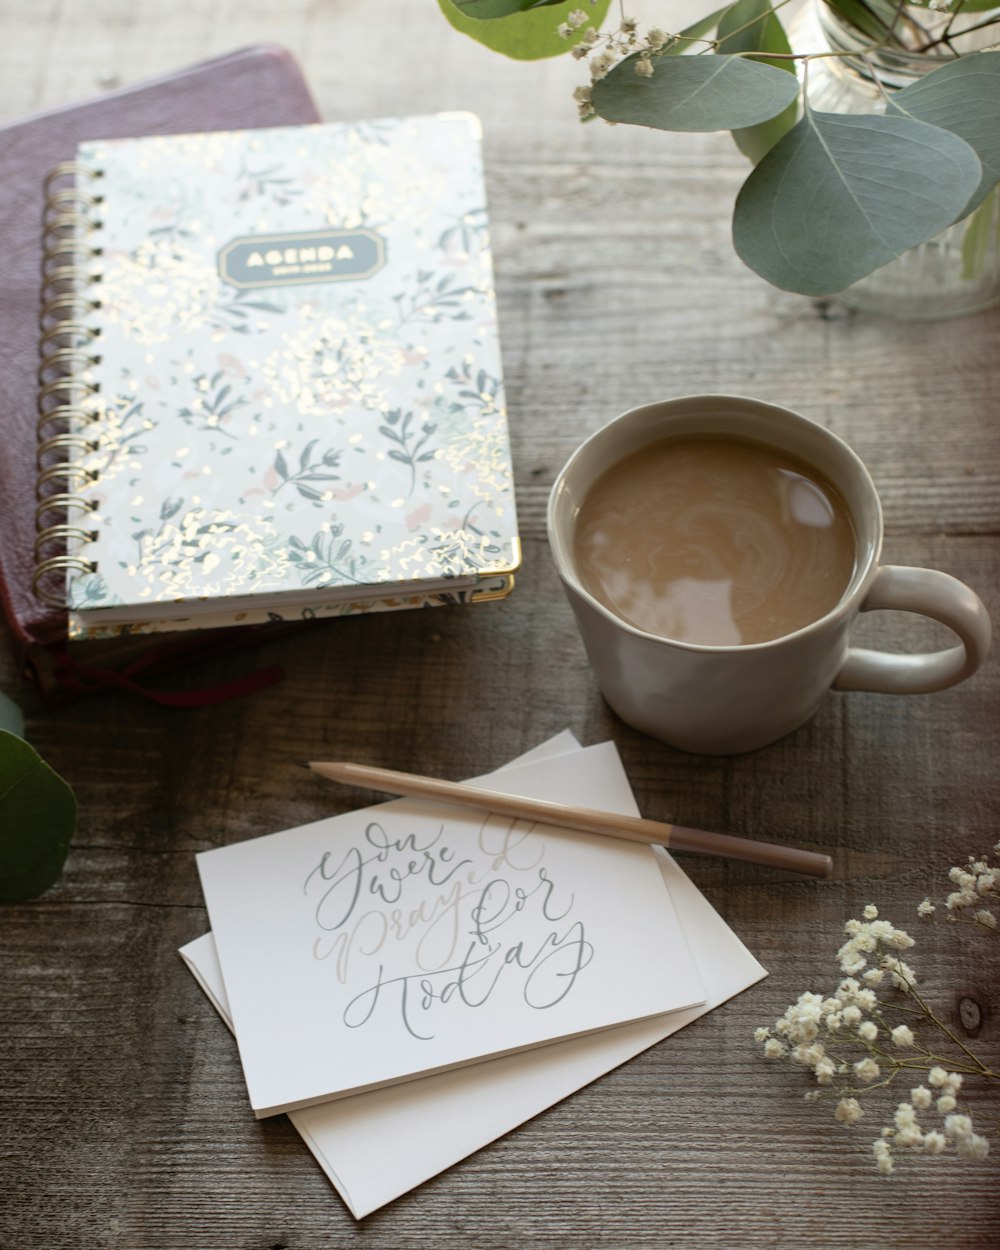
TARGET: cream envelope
(378,1145)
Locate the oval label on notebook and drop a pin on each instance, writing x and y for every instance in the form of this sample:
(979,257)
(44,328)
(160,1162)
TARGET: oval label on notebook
(314,256)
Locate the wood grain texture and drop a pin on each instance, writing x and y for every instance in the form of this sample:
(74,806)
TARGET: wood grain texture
(123,1117)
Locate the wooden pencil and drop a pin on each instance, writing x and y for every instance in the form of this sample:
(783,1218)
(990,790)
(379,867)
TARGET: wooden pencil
(608,824)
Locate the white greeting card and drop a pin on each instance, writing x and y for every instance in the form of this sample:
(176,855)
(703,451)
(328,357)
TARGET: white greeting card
(374,1147)
(417,936)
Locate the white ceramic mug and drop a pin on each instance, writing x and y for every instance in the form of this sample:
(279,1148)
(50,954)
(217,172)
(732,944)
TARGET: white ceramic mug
(721,700)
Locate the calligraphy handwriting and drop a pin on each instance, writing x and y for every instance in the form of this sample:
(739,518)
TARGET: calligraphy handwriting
(552,968)
(354,873)
(499,902)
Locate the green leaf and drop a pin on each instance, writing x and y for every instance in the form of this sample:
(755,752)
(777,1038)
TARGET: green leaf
(488,10)
(694,93)
(37,817)
(843,194)
(753,26)
(963,97)
(527,35)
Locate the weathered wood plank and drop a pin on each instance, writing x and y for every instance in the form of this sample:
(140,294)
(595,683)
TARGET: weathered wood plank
(123,1120)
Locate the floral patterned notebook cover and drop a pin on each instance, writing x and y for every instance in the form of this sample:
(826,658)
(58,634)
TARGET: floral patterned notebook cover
(297,393)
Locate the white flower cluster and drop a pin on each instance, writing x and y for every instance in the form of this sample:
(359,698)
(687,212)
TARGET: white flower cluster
(867,938)
(977,892)
(610,48)
(847,1043)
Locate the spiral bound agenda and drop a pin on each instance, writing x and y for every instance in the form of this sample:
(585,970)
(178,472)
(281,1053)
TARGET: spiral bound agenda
(270,384)
(68,345)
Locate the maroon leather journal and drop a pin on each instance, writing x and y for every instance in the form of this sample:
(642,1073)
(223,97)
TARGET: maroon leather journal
(255,86)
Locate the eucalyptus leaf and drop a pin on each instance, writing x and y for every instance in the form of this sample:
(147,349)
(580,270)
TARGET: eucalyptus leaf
(963,97)
(842,194)
(694,93)
(37,817)
(527,35)
(753,26)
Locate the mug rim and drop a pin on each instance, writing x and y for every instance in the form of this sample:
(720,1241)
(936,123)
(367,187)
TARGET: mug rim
(845,606)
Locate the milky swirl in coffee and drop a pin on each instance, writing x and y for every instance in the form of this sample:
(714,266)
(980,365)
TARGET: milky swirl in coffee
(714,540)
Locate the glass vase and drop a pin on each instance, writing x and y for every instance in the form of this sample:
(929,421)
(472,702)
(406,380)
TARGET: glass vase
(957,271)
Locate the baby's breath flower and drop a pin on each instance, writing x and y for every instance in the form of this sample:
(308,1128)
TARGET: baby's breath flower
(584,101)
(564,30)
(576,19)
(957,1126)
(825,1071)
(853,1020)
(909,1136)
(973,1147)
(900,972)
(600,65)
(644,66)
(935,1143)
(867,1070)
(848,1111)
(656,38)
(905,1114)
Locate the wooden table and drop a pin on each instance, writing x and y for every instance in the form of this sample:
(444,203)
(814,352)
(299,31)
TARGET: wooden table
(123,1119)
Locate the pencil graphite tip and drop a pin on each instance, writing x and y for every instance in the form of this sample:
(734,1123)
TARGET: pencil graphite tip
(301,763)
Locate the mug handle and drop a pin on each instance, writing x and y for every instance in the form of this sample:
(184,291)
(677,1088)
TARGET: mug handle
(934,594)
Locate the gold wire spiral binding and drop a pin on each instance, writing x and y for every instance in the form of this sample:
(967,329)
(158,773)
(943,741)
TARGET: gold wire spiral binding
(57,361)
(60,533)
(66,344)
(69,334)
(64,419)
(64,441)
(69,303)
(62,503)
(65,470)
(52,565)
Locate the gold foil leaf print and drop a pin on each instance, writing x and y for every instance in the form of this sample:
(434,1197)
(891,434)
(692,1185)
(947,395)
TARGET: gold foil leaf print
(333,365)
(159,289)
(211,554)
